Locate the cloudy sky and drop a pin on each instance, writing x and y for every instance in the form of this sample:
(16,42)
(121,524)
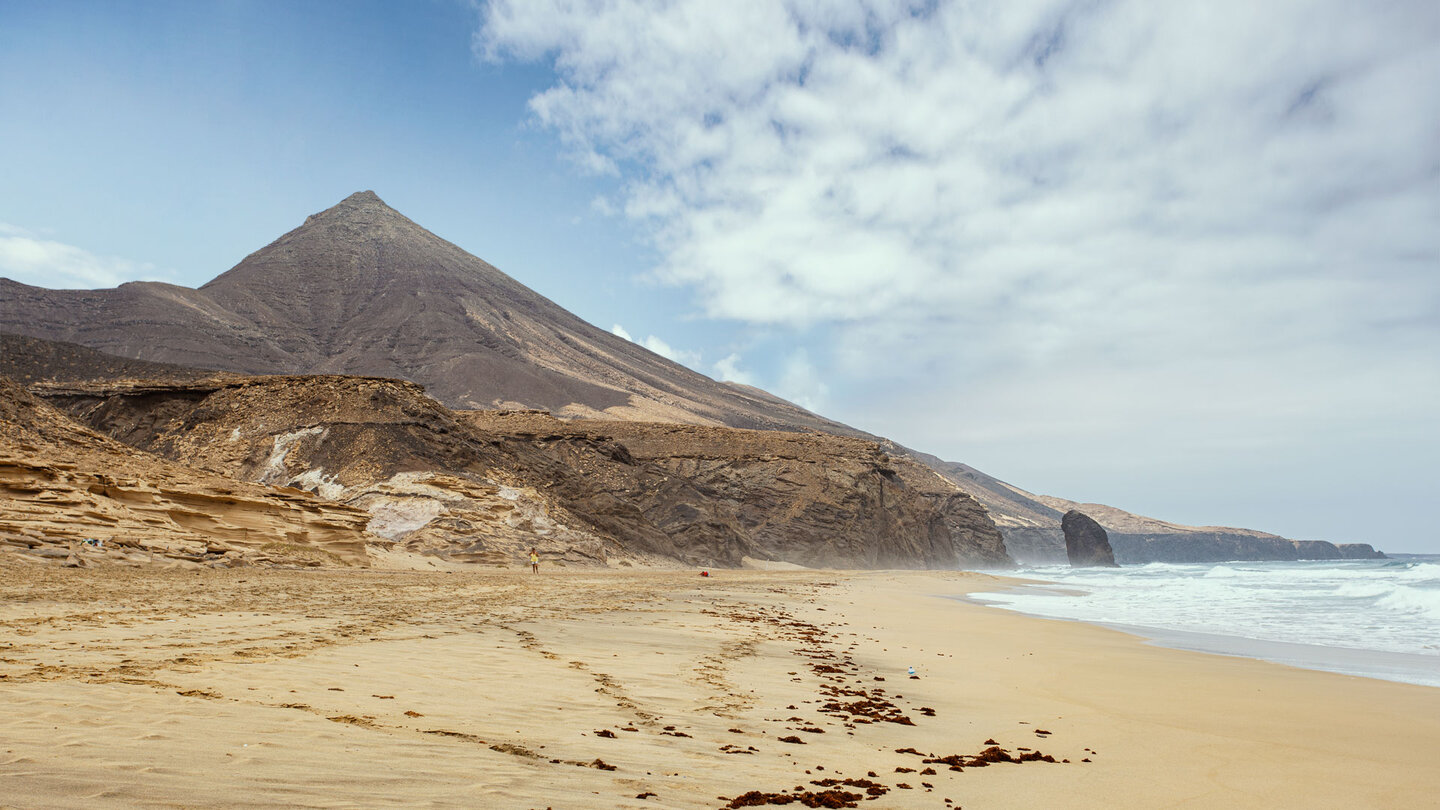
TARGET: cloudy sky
(1183,259)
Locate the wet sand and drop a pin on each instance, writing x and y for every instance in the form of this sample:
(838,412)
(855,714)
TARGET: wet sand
(262,688)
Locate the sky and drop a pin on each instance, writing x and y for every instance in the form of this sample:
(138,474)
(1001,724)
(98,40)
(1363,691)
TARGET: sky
(1182,259)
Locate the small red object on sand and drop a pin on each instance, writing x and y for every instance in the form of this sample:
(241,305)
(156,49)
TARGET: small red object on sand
(704,573)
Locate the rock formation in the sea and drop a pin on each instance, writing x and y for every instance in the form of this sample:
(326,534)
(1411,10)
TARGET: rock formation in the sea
(1033,535)
(70,494)
(484,486)
(1086,544)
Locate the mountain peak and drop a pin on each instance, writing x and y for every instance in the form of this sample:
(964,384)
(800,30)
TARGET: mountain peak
(366,197)
(362,206)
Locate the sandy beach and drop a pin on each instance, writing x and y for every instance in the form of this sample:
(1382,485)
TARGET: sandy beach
(584,689)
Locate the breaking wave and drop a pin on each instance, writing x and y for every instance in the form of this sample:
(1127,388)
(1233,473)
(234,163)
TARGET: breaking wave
(1386,606)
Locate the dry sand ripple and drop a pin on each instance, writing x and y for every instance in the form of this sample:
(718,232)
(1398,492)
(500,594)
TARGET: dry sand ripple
(134,687)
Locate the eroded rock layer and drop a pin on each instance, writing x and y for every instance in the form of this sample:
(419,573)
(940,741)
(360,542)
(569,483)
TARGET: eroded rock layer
(485,487)
(807,498)
(67,492)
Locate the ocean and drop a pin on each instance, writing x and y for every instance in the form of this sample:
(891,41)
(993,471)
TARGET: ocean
(1374,618)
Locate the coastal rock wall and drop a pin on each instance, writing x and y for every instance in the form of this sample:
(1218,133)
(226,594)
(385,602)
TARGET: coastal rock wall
(1199,547)
(806,498)
(1359,551)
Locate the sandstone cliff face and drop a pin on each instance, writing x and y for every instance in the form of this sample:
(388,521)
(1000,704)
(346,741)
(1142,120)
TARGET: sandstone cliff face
(485,487)
(424,479)
(61,484)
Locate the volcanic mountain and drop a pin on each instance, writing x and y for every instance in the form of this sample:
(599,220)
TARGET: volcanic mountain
(361,289)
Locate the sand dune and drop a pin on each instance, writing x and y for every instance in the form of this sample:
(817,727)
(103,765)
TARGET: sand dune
(147,688)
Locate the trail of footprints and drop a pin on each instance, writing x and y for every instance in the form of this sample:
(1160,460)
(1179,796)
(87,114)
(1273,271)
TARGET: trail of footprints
(846,698)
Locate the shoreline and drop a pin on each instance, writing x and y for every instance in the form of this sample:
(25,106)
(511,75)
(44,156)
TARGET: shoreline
(1414,669)
(1345,656)
(126,687)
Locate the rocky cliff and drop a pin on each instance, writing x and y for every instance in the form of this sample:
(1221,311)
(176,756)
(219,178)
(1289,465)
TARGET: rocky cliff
(812,498)
(485,487)
(62,484)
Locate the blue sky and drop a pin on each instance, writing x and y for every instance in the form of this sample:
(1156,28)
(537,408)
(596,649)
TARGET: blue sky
(1181,260)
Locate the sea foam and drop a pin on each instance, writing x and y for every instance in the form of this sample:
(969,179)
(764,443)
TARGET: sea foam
(1389,607)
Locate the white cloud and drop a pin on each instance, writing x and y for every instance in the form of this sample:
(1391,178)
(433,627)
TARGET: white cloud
(45,263)
(669,352)
(804,162)
(728,369)
(660,347)
(1040,214)
(802,383)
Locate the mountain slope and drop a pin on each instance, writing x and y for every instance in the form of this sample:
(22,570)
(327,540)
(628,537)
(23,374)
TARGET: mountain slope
(361,289)
(26,360)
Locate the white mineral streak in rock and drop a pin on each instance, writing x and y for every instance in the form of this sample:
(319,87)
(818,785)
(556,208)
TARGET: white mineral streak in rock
(404,503)
(274,469)
(392,518)
(317,480)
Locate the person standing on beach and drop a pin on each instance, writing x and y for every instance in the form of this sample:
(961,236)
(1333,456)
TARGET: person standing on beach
(534,561)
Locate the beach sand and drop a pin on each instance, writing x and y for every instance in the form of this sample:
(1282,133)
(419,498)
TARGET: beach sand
(582,689)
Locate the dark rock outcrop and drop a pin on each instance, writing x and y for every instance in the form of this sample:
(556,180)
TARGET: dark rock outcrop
(1085,541)
(1360,551)
(1033,534)
(1316,550)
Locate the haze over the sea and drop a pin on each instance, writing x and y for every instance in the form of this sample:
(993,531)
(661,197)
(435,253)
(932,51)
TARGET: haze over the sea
(1180,259)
